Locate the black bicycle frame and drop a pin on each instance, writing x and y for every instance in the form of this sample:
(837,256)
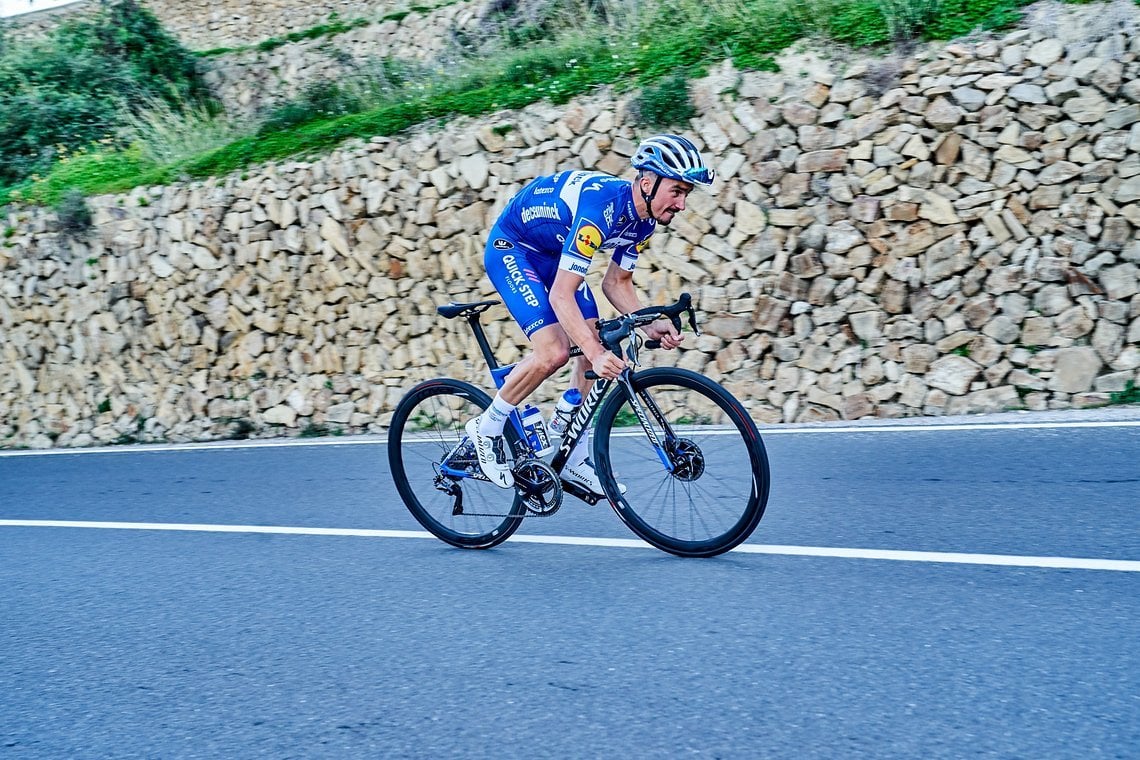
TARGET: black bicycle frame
(585,412)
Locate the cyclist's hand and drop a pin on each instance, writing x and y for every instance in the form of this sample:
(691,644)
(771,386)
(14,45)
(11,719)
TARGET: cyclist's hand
(607,365)
(664,331)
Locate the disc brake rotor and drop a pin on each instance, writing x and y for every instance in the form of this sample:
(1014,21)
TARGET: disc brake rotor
(687,458)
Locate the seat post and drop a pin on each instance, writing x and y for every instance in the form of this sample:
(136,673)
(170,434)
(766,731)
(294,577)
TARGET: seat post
(481,339)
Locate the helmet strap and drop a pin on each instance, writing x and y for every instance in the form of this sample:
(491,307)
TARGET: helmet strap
(648,197)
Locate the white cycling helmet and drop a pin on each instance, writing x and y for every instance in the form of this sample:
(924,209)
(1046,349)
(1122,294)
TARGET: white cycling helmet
(674,157)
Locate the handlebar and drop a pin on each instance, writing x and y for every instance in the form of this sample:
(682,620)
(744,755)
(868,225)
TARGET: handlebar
(611,332)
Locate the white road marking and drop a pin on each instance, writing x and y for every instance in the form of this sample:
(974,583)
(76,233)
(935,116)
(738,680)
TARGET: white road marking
(374,441)
(1002,560)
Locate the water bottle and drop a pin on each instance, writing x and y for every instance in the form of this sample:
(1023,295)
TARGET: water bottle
(564,412)
(535,429)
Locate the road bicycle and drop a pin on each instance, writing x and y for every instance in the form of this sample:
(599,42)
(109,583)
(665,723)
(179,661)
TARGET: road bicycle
(692,466)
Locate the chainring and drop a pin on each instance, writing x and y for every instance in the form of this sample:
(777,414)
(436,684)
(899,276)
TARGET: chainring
(538,486)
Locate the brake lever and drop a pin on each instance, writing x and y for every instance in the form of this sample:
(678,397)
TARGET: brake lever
(631,349)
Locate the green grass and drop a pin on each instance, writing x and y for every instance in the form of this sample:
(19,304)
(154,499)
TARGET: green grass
(599,52)
(425,421)
(1130,395)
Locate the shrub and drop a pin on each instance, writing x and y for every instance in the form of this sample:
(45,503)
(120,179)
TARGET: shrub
(666,103)
(74,215)
(74,88)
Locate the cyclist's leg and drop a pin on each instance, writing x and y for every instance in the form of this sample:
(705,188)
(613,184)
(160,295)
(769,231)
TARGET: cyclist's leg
(523,278)
(527,299)
(579,467)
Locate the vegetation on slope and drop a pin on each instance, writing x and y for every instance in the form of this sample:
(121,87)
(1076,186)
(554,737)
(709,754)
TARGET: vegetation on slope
(115,103)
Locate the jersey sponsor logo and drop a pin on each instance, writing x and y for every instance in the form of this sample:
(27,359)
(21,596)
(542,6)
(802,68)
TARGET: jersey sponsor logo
(587,240)
(544,190)
(502,245)
(540,212)
(608,213)
(532,326)
(575,267)
(518,280)
(642,245)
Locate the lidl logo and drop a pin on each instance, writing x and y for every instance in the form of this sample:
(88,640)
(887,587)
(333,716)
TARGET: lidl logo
(587,240)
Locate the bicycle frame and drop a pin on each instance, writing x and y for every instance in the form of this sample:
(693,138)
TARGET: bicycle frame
(581,419)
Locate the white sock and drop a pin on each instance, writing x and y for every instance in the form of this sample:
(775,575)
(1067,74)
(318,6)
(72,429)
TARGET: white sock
(492,421)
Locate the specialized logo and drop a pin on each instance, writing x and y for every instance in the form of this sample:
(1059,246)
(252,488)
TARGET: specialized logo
(570,437)
(587,240)
(518,281)
(540,212)
(502,245)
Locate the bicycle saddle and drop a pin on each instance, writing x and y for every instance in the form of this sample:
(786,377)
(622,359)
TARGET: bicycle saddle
(453,310)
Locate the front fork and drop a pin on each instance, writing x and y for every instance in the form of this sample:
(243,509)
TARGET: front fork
(639,410)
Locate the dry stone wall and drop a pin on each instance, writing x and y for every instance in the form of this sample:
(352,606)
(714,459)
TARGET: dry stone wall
(249,82)
(209,24)
(950,233)
(252,81)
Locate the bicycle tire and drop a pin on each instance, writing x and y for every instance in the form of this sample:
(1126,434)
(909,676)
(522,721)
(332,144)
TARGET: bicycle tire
(718,441)
(426,426)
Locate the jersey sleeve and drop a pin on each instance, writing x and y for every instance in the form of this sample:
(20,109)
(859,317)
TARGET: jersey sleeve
(625,256)
(593,221)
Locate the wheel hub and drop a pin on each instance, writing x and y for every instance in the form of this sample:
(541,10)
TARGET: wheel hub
(688,460)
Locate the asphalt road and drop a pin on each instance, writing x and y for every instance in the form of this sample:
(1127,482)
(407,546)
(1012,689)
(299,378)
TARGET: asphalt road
(159,643)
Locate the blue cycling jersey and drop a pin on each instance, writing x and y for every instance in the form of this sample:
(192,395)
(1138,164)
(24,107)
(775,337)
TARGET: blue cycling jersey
(575,214)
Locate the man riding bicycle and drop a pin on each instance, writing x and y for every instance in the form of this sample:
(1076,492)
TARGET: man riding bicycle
(537,257)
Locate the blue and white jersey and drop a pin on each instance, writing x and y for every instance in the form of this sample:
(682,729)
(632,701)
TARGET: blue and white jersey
(575,214)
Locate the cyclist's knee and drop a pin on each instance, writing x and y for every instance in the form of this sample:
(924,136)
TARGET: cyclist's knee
(552,358)
(551,349)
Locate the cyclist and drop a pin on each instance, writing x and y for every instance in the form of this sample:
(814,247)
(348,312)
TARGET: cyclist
(537,257)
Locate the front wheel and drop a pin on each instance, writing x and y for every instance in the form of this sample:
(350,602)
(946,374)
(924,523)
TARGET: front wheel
(436,472)
(702,487)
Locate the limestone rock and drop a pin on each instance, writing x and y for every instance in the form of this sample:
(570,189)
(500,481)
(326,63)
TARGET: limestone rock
(1075,369)
(952,374)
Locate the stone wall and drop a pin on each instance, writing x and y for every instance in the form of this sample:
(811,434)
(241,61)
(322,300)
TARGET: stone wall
(950,233)
(251,81)
(209,24)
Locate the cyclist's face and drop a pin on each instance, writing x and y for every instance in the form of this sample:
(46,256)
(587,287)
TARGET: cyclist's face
(670,199)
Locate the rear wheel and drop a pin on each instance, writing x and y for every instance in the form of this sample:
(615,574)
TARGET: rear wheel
(713,491)
(438,479)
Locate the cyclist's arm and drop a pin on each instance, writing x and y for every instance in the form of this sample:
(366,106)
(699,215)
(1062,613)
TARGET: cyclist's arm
(619,290)
(565,305)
